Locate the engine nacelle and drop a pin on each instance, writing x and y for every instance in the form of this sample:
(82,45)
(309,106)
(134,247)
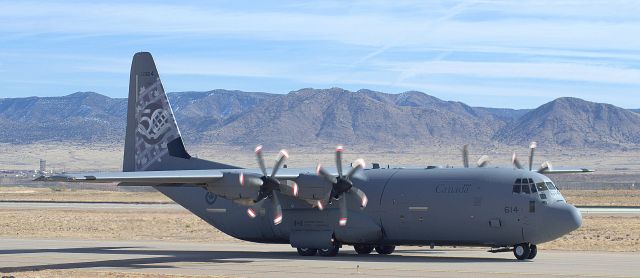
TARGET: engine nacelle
(313,187)
(229,187)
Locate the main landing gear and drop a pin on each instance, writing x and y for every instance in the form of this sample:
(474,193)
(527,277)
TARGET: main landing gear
(364,249)
(525,251)
(361,249)
(328,252)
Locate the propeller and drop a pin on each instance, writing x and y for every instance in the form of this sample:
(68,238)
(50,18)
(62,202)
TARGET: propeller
(514,160)
(546,166)
(465,156)
(482,162)
(342,186)
(269,186)
(532,149)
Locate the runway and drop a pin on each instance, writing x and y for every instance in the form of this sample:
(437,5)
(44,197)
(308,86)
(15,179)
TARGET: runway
(261,260)
(630,211)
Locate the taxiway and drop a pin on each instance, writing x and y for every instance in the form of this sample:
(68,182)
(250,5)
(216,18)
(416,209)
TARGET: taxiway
(260,260)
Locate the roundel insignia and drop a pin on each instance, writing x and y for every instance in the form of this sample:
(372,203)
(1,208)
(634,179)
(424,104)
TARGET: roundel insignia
(210,198)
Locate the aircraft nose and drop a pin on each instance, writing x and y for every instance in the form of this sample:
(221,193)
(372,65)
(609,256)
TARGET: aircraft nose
(560,219)
(574,218)
(568,217)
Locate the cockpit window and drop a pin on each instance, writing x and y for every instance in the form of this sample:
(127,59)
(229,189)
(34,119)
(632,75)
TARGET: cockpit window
(530,180)
(516,188)
(551,186)
(541,186)
(533,188)
(525,188)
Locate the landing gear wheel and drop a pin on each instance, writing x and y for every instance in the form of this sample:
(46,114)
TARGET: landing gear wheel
(363,248)
(306,252)
(385,249)
(522,251)
(534,251)
(330,252)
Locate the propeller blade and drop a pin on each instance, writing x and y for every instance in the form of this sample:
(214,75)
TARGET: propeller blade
(339,150)
(545,167)
(291,189)
(483,161)
(281,158)
(261,160)
(465,156)
(515,161)
(363,197)
(532,147)
(359,165)
(323,173)
(277,209)
(343,211)
(250,180)
(253,210)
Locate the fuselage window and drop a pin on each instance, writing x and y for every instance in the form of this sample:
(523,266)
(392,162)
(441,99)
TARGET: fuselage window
(541,186)
(551,186)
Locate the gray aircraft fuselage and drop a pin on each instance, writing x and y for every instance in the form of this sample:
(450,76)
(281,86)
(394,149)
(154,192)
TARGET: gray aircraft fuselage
(450,206)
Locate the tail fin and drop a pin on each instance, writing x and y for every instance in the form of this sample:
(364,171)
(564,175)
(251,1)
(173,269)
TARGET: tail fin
(153,141)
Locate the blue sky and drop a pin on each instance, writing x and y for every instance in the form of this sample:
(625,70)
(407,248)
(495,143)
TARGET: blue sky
(517,54)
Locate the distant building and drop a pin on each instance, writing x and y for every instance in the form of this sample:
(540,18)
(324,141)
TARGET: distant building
(43,166)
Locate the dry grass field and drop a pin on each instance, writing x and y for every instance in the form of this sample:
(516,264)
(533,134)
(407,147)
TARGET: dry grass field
(108,157)
(602,197)
(57,194)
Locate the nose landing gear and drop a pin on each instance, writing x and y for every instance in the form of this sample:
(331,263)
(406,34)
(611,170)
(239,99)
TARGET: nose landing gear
(525,251)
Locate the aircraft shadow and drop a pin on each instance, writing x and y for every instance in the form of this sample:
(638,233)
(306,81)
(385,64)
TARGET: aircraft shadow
(163,258)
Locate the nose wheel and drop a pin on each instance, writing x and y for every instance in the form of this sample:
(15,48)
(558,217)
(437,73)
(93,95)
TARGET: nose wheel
(534,251)
(525,251)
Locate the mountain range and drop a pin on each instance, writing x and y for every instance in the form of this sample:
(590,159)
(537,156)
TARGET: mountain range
(309,117)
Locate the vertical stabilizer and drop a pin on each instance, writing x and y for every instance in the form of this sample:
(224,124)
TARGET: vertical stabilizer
(153,140)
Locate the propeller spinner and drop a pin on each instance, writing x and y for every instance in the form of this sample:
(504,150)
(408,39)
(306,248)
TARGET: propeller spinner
(269,186)
(342,186)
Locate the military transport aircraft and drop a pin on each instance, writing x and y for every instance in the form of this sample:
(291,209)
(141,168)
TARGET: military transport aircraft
(320,210)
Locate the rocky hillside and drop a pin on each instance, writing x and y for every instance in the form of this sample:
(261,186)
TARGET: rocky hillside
(574,122)
(309,117)
(81,116)
(363,117)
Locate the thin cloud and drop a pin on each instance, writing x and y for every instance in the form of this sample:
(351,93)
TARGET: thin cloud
(445,47)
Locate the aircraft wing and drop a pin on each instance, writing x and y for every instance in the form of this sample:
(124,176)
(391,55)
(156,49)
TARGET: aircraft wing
(566,171)
(196,177)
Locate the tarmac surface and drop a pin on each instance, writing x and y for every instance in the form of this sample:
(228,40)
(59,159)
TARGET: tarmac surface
(262,260)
